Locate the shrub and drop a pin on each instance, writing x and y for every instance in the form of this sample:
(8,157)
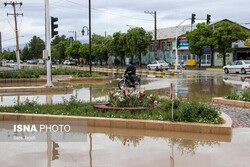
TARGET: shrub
(132,98)
(244,95)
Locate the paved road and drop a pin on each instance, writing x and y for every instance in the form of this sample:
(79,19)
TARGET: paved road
(239,116)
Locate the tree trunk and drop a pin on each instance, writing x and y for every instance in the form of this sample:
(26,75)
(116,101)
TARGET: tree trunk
(224,59)
(140,60)
(200,61)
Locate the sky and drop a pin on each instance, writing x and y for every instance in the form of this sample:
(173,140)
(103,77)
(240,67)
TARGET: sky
(109,16)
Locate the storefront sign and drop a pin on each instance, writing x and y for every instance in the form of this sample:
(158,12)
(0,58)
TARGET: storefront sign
(247,42)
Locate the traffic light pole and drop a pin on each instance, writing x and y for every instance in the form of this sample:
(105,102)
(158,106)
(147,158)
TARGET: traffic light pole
(47,46)
(176,47)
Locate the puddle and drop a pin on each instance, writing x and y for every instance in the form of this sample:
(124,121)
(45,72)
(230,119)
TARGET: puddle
(112,150)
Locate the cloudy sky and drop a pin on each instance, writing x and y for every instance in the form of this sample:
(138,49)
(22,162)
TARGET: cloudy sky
(113,15)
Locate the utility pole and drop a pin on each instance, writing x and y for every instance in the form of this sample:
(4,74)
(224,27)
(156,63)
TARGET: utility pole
(0,44)
(13,4)
(155,31)
(47,46)
(74,33)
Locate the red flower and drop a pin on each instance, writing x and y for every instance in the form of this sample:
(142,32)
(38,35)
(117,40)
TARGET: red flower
(141,95)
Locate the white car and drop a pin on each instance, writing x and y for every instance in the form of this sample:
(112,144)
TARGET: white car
(158,65)
(238,66)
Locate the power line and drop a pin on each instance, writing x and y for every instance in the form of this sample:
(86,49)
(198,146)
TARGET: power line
(14,4)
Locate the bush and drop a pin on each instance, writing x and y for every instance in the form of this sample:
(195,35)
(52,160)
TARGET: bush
(196,112)
(35,73)
(243,96)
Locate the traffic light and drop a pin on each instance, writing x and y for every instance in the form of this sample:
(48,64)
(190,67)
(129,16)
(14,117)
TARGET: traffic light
(178,42)
(55,153)
(193,18)
(54,26)
(208,19)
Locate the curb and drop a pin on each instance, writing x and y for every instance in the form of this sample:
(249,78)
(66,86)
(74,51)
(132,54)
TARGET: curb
(235,103)
(222,129)
(35,89)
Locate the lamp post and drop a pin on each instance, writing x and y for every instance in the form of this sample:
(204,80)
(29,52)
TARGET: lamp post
(74,33)
(89,33)
(86,29)
(176,48)
(155,30)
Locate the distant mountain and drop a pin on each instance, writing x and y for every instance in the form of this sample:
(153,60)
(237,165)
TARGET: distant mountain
(13,47)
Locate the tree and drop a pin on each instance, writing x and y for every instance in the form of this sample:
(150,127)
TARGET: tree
(101,47)
(58,50)
(74,50)
(200,38)
(119,45)
(26,53)
(9,55)
(84,51)
(225,34)
(36,47)
(138,40)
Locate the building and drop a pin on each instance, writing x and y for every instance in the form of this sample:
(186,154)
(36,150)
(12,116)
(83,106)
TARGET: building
(166,38)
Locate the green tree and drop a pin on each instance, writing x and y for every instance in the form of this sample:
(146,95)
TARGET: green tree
(200,38)
(119,45)
(36,47)
(101,47)
(9,55)
(84,52)
(225,34)
(73,50)
(58,50)
(25,54)
(138,40)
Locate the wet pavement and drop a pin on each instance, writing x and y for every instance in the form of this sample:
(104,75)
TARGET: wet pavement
(113,150)
(124,150)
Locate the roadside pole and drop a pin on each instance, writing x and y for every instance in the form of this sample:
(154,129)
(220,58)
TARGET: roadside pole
(47,46)
(171,95)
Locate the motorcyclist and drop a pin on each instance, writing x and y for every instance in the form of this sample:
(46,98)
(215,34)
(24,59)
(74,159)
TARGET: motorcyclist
(131,71)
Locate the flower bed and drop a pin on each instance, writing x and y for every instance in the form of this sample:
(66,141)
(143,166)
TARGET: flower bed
(132,98)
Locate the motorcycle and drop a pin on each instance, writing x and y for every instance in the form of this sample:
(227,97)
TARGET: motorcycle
(126,83)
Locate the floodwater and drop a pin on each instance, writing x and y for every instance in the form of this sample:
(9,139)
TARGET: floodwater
(133,148)
(106,148)
(189,85)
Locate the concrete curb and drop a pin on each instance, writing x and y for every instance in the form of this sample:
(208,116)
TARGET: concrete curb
(222,129)
(235,103)
(139,72)
(36,89)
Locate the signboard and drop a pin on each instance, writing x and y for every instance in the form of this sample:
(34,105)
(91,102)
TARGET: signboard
(182,91)
(247,42)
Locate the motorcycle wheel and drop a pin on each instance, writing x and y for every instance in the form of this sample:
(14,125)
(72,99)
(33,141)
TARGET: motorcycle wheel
(122,85)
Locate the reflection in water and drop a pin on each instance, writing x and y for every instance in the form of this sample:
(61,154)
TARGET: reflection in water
(185,146)
(148,151)
(126,140)
(190,146)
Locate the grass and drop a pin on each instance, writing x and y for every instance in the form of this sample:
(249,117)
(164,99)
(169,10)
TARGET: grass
(242,96)
(35,73)
(184,111)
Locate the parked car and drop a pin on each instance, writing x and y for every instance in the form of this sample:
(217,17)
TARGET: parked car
(158,65)
(69,62)
(238,66)
(41,61)
(34,61)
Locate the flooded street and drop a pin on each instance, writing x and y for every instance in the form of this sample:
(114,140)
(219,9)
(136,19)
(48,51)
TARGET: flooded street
(132,148)
(112,150)
(189,85)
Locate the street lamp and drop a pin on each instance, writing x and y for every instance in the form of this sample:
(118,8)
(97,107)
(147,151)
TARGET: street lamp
(155,30)
(74,33)
(86,29)
(89,33)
